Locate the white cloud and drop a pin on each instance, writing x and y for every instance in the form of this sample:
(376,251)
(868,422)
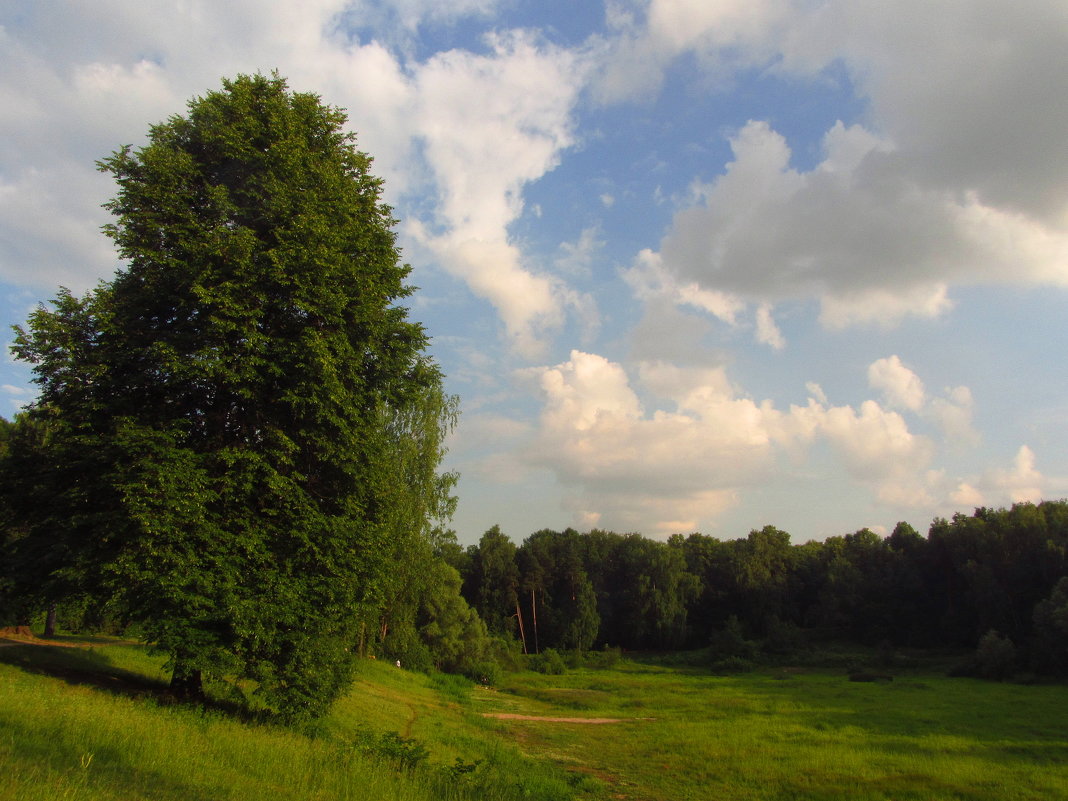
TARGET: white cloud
(854,232)
(577,258)
(956,178)
(472,128)
(1022,482)
(725,35)
(900,386)
(491,124)
(649,279)
(767,331)
(903,389)
(703,445)
(953,414)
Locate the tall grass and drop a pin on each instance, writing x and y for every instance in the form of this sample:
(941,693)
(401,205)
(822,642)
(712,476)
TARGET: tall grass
(59,740)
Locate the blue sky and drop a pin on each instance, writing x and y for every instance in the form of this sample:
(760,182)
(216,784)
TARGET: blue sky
(691,265)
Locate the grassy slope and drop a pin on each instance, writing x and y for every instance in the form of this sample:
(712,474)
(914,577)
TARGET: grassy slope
(83,723)
(754,736)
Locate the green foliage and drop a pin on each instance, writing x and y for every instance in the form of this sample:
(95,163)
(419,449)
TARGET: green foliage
(731,642)
(404,753)
(492,581)
(783,638)
(995,656)
(1050,652)
(549,662)
(243,423)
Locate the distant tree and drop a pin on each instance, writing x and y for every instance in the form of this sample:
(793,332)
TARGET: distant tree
(452,631)
(1049,653)
(229,405)
(492,583)
(32,557)
(557,590)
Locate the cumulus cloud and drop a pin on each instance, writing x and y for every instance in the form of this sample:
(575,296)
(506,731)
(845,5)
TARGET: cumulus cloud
(854,231)
(903,389)
(956,177)
(647,36)
(473,128)
(900,386)
(1022,482)
(690,453)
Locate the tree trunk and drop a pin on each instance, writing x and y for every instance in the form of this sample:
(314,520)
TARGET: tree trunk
(534,614)
(186,681)
(522,634)
(50,622)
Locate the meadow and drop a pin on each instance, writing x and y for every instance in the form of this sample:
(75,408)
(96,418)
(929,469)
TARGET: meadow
(88,723)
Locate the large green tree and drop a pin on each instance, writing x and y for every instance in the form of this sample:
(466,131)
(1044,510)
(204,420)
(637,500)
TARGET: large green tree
(253,417)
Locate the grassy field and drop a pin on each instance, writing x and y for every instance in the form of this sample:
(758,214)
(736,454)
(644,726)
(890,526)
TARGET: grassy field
(795,735)
(79,723)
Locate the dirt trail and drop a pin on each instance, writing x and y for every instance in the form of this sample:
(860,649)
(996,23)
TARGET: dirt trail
(540,719)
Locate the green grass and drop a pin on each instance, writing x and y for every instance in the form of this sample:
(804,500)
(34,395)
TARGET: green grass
(814,735)
(87,724)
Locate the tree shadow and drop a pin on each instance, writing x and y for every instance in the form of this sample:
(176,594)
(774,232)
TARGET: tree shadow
(80,662)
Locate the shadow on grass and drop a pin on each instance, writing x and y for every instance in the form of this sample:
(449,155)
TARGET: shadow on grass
(78,664)
(81,662)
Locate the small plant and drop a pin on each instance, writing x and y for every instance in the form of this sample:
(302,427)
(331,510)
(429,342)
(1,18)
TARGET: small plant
(730,642)
(733,664)
(403,752)
(461,771)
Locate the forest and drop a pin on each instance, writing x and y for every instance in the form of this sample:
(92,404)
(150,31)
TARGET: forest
(997,576)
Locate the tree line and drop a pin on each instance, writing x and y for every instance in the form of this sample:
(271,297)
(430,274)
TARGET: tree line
(996,570)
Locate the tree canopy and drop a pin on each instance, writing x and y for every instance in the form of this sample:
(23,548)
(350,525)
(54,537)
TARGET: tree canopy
(246,418)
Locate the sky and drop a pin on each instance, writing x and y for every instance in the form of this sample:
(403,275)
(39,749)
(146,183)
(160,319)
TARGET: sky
(690,265)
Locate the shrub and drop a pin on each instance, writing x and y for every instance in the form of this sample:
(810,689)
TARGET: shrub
(733,664)
(995,656)
(487,673)
(549,662)
(730,642)
(607,658)
(402,752)
(783,638)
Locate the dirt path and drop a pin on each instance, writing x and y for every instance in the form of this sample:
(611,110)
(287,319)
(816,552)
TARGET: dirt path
(540,719)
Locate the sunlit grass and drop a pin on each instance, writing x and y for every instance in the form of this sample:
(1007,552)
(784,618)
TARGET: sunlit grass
(814,736)
(87,724)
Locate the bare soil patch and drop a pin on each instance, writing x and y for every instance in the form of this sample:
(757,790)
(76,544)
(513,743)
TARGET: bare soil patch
(541,719)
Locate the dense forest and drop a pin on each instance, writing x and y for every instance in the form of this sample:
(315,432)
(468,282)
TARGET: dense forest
(999,574)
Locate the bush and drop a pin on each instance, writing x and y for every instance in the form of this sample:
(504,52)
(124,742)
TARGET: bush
(730,641)
(549,662)
(404,753)
(507,652)
(783,638)
(607,658)
(995,656)
(733,664)
(486,673)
